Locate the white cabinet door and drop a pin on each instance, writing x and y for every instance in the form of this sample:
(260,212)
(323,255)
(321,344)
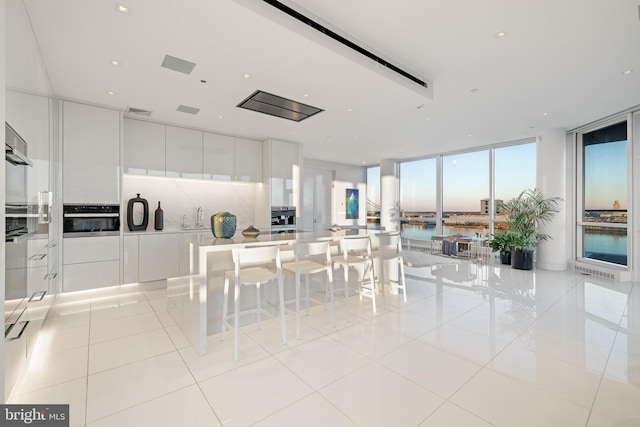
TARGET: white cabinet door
(284,157)
(143,147)
(130,263)
(91,154)
(89,249)
(184,152)
(218,156)
(91,275)
(248,160)
(29,116)
(158,256)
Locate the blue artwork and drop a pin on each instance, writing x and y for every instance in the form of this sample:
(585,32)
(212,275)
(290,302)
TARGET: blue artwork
(352,203)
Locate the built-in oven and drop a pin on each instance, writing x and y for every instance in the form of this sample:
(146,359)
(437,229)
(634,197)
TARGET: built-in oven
(90,220)
(283,218)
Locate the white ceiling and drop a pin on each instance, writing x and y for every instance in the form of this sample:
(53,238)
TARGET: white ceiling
(560,64)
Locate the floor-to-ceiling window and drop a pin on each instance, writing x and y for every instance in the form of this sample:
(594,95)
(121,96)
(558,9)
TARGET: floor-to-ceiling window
(418,205)
(467,181)
(465,193)
(514,172)
(373,197)
(602,218)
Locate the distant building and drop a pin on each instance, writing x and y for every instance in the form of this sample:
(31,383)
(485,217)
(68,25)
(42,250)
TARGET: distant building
(616,205)
(484,207)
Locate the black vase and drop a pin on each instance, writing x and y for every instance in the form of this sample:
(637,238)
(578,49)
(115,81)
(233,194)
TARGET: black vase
(522,260)
(145,214)
(158,222)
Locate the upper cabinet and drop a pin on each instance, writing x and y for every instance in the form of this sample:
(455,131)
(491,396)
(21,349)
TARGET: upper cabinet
(248,160)
(218,156)
(144,147)
(283,175)
(184,152)
(164,150)
(91,154)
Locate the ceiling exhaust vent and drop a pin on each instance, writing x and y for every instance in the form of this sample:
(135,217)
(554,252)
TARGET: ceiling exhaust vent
(187,109)
(275,105)
(138,112)
(177,64)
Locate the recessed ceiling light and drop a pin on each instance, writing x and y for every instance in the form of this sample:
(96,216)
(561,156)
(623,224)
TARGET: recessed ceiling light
(123,9)
(364,162)
(545,114)
(306,95)
(219,117)
(115,62)
(349,110)
(246,75)
(627,72)
(111,92)
(469,135)
(500,34)
(428,118)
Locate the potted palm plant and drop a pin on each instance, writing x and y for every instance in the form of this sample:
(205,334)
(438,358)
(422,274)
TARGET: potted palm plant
(525,213)
(502,243)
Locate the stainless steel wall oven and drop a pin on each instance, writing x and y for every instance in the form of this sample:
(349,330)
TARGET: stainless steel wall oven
(91,220)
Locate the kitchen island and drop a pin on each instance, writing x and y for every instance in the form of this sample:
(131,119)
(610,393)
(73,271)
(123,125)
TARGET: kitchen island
(195,299)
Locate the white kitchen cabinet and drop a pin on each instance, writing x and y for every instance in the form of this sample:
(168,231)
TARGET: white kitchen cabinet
(91,154)
(218,156)
(130,260)
(143,147)
(90,262)
(158,256)
(284,159)
(184,152)
(248,160)
(29,116)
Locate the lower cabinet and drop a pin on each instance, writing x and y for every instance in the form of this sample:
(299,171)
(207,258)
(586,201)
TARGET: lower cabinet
(152,257)
(90,262)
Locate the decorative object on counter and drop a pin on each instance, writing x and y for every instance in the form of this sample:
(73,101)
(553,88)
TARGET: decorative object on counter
(158,222)
(250,232)
(145,214)
(223,225)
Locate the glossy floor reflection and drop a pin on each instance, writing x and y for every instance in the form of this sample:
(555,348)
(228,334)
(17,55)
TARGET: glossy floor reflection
(475,345)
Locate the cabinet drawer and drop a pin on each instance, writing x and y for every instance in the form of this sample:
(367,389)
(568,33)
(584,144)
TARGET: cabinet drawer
(89,249)
(91,275)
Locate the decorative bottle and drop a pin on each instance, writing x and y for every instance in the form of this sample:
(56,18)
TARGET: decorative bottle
(158,218)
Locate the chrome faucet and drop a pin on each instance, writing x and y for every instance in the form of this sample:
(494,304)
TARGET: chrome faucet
(185,224)
(199,217)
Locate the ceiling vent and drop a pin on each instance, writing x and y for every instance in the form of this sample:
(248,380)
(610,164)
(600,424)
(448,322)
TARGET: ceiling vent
(274,105)
(187,109)
(177,64)
(138,111)
(344,41)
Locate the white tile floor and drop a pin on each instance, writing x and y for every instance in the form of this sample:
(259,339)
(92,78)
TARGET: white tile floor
(474,346)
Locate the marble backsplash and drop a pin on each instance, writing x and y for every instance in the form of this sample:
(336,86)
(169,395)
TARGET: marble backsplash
(181,197)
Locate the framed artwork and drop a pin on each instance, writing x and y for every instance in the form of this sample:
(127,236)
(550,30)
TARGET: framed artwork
(352,203)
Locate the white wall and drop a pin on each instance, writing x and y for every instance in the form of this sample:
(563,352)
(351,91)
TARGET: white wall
(346,176)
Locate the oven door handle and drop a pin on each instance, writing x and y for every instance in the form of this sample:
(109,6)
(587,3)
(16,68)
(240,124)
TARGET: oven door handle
(91,215)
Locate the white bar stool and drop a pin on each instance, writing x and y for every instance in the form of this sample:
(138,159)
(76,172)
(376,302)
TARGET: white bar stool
(356,251)
(254,266)
(390,249)
(311,258)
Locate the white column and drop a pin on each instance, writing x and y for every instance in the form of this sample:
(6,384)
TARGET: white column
(389,195)
(551,180)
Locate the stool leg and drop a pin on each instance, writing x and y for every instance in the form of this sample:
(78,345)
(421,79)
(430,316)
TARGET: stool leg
(282,319)
(297,305)
(346,289)
(382,281)
(224,307)
(259,306)
(236,316)
(333,309)
(306,281)
(404,283)
(373,283)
